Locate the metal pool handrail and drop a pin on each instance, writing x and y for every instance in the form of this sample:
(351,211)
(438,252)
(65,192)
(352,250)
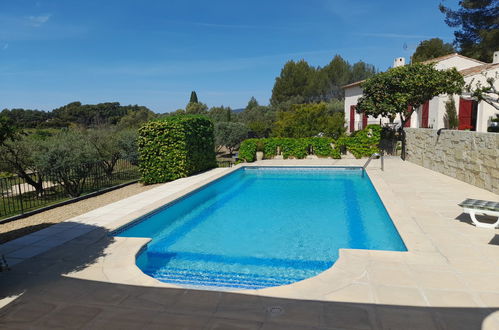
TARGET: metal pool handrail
(375,156)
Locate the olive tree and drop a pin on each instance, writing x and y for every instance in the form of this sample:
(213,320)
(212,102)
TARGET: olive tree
(486,92)
(399,91)
(17,155)
(69,159)
(230,135)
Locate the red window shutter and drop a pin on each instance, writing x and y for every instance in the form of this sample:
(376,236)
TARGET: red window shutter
(425,114)
(408,121)
(352,118)
(364,120)
(465,111)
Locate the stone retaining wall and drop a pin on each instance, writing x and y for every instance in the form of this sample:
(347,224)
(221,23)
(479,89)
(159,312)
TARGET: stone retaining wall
(467,156)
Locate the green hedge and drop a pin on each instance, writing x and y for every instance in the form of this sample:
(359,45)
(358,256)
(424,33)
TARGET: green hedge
(175,147)
(247,150)
(361,144)
(289,147)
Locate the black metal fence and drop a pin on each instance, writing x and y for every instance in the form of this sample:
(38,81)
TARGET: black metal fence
(19,195)
(225,162)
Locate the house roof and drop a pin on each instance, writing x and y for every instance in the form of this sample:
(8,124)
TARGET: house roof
(442,58)
(466,72)
(477,69)
(357,83)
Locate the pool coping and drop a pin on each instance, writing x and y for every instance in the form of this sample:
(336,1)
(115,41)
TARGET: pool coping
(119,265)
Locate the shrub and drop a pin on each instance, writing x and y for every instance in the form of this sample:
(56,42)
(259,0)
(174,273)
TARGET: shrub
(175,147)
(362,144)
(247,150)
(365,142)
(450,116)
(289,147)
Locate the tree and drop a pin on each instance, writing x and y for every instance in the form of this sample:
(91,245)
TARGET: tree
(399,91)
(127,142)
(450,117)
(194,97)
(69,159)
(91,115)
(259,119)
(430,49)
(309,120)
(338,72)
(292,83)
(27,118)
(252,103)
(133,119)
(478,23)
(300,83)
(196,108)
(17,155)
(486,92)
(218,114)
(230,135)
(7,128)
(105,141)
(361,71)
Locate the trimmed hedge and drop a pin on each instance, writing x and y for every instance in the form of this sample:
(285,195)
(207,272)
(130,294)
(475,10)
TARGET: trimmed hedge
(361,144)
(247,150)
(175,147)
(289,147)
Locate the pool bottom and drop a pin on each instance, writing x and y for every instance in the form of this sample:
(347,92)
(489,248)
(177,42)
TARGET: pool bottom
(216,237)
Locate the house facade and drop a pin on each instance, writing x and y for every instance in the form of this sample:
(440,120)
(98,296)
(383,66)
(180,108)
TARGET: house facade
(473,115)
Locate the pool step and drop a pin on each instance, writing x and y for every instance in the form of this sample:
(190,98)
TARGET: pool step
(209,278)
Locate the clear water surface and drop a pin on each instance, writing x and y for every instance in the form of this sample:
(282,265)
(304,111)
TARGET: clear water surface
(262,226)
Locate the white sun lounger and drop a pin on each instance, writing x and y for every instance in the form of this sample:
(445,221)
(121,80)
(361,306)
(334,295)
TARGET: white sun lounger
(476,206)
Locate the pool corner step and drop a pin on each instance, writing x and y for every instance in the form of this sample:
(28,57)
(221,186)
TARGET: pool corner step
(215,279)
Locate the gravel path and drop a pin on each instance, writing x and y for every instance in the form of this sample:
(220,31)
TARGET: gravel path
(21,227)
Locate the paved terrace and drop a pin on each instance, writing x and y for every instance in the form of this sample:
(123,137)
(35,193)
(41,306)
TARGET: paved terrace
(73,275)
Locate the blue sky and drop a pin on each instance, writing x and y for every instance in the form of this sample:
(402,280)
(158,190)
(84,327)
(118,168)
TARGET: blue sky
(154,52)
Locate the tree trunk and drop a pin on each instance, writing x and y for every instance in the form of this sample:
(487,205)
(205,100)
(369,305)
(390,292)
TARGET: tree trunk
(402,137)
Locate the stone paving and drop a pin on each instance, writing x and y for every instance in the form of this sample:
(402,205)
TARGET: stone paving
(447,280)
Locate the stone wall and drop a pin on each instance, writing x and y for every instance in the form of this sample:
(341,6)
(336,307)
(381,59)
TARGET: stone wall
(467,156)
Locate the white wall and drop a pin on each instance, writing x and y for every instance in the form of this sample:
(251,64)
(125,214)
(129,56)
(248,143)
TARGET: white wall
(485,111)
(457,62)
(437,104)
(352,96)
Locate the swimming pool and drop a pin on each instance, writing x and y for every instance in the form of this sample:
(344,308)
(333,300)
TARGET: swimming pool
(260,227)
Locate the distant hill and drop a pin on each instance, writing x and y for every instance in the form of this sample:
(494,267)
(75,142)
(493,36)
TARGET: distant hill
(238,110)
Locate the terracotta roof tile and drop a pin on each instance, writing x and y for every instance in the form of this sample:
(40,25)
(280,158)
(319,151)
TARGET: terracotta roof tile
(477,69)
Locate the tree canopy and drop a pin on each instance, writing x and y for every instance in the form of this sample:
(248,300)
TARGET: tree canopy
(75,113)
(430,49)
(478,24)
(309,120)
(300,83)
(400,90)
(230,135)
(194,97)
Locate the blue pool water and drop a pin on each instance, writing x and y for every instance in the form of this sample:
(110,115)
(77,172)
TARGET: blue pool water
(261,226)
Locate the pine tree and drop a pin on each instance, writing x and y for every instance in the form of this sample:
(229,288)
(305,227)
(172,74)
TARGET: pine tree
(433,48)
(478,36)
(194,97)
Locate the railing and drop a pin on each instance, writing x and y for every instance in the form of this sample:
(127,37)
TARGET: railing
(225,163)
(375,156)
(17,196)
